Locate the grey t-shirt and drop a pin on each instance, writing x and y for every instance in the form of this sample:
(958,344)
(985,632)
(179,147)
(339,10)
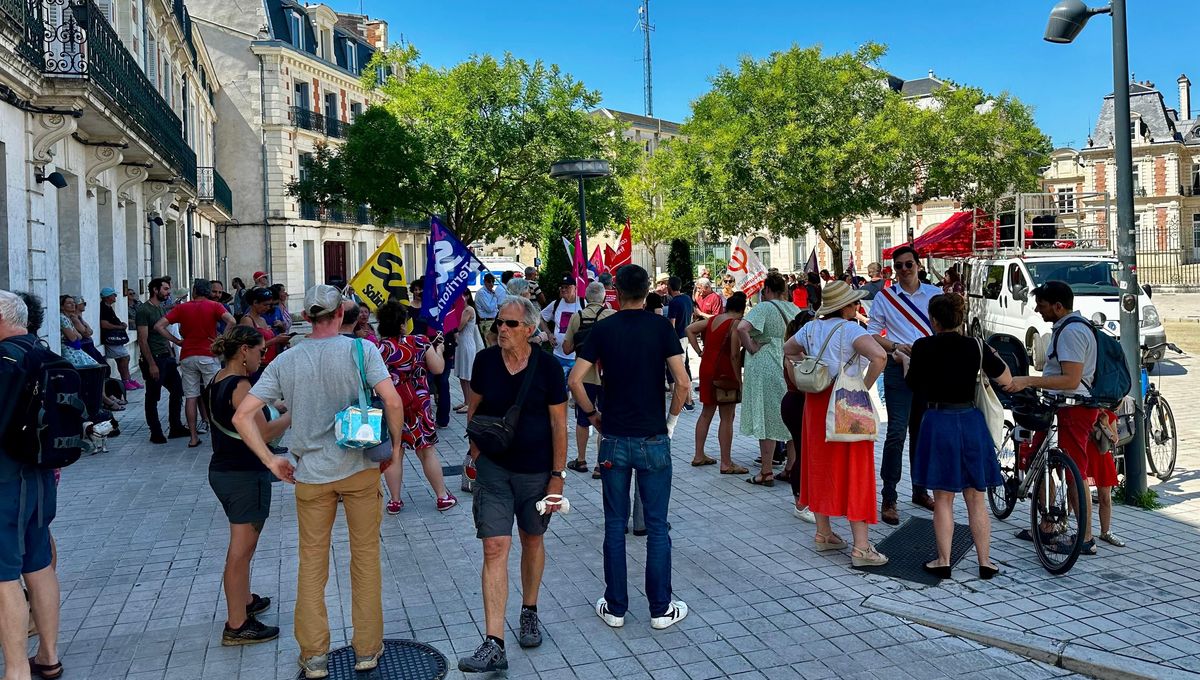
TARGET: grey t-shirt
(1077,343)
(318,378)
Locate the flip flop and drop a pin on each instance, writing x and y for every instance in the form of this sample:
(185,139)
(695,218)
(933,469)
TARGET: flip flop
(198,443)
(735,470)
(704,461)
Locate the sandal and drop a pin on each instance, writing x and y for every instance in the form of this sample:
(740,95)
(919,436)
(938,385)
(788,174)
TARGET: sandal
(578,465)
(867,558)
(50,672)
(828,542)
(762,480)
(704,460)
(462,408)
(735,470)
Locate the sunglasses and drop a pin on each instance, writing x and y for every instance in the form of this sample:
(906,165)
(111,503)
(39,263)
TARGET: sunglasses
(728,280)
(907,264)
(511,323)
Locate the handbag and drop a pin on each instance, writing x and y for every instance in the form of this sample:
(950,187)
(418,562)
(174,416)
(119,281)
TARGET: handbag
(493,435)
(114,337)
(988,403)
(851,415)
(359,426)
(811,374)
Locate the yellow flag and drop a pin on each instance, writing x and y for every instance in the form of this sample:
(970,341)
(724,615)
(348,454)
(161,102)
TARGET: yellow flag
(382,276)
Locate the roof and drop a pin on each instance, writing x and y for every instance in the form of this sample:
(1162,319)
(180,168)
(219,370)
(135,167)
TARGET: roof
(647,122)
(1160,122)
(920,87)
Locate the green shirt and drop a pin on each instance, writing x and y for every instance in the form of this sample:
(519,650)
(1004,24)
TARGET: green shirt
(147,315)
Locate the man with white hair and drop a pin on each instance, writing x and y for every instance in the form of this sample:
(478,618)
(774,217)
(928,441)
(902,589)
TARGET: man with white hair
(577,332)
(708,302)
(28,498)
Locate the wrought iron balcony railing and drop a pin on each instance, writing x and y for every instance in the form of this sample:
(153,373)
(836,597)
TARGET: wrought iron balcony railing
(78,42)
(211,186)
(311,120)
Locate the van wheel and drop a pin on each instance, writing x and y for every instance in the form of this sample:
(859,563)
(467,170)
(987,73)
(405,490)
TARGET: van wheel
(976,329)
(1036,359)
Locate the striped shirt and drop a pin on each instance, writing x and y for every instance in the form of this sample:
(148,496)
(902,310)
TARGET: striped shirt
(899,321)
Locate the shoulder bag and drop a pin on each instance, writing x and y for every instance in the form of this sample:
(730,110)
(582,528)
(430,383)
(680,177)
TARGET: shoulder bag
(987,402)
(493,435)
(360,426)
(811,374)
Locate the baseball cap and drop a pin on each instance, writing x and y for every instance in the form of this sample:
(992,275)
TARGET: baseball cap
(259,275)
(105,292)
(322,300)
(567,281)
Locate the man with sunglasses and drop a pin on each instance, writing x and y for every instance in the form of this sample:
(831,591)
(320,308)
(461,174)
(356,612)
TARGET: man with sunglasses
(900,317)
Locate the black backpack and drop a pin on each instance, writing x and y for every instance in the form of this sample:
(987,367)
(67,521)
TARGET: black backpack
(45,428)
(585,327)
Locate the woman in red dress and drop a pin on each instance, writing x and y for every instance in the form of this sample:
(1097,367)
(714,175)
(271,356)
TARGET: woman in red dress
(837,479)
(410,359)
(718,361)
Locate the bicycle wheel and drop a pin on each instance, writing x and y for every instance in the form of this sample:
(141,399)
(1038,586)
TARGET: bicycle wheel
(1161,442)
(1003,498)
(1057,528)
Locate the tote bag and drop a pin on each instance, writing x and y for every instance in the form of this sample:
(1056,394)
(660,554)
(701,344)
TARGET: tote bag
(851,416)
(988,403)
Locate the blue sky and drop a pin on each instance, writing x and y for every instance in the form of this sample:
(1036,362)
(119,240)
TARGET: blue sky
(997,46)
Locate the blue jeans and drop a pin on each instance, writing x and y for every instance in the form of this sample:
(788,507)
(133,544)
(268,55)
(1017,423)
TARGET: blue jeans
(619,457)
(904,417)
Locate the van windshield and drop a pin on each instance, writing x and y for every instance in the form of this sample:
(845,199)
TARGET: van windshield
(1085,278)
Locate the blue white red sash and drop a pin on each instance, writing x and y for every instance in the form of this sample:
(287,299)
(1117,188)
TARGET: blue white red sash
(916,317)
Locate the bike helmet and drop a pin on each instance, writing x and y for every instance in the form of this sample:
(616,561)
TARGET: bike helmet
(1034,417)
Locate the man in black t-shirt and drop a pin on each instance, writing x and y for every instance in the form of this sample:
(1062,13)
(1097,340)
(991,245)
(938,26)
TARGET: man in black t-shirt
(637,436)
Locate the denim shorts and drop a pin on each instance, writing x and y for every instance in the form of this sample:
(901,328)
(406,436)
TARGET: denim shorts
(24,527)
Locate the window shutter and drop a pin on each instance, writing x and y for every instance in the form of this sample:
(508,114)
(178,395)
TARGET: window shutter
(152,60)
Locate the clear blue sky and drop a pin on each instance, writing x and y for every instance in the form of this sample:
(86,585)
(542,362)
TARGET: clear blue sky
(997,46)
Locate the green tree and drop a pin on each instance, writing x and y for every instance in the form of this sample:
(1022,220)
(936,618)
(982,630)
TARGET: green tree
(679,261)
(656,195)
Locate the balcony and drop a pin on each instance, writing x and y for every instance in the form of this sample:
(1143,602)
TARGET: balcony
(340,214)
(211,186)
(306,119)
(83,47)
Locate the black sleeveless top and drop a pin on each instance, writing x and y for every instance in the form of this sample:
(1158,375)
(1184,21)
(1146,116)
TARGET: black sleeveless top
(229,454)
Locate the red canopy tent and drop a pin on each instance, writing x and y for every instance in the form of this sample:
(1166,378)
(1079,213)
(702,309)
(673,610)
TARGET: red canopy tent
(958,236)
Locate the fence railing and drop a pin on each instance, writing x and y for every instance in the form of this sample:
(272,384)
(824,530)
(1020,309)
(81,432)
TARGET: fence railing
(211,186)
(361,214)
(311,120)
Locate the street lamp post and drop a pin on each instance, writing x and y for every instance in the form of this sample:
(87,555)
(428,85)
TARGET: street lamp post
(581,170)
(1067,19)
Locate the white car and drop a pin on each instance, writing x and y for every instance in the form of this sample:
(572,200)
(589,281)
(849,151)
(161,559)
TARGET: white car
(999,298)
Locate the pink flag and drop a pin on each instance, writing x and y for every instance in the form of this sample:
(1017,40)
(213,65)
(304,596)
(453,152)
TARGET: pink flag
(580,264)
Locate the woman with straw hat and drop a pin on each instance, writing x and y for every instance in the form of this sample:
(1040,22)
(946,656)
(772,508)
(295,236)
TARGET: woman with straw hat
(837,479)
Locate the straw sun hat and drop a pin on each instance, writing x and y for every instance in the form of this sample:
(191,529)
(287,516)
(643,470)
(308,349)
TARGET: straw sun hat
(838,294)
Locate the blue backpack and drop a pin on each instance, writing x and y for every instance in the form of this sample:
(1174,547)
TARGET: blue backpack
(1112,381)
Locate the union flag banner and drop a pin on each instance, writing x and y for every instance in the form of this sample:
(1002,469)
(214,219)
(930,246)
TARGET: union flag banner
(747,270)
(382,276)
(624,252)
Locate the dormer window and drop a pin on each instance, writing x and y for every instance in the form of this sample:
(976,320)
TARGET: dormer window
(351,53)
(296,24)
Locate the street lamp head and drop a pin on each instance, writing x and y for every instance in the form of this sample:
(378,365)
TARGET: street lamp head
(1067,19)
(580,169)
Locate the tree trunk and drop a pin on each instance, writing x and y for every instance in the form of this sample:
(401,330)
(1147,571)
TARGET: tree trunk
(832,239)
(653,263)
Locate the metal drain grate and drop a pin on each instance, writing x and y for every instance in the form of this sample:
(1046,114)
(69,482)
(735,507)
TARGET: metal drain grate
(912,545)
(401,660)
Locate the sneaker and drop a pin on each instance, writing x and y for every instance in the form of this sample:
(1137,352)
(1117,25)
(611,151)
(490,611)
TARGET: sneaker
(1112,539)
(315,667)
(611,619)
(804,515)
(444,504)
(158,439)
(367,663)
(394,507)
(257,605)
(530,635)
(677,612)
(202,427)
(488,657)
(130,385)
(137,385)
(689,406)
(251,632)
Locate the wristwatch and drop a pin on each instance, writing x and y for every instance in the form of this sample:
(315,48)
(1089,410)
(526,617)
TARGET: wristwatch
(561,474)
(594,412)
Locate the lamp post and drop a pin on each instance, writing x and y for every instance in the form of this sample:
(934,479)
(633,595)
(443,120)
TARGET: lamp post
(581,170)
(1067,19)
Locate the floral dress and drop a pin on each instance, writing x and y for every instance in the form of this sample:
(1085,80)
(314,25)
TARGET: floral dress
(73,352)
(763,381)
(405,359)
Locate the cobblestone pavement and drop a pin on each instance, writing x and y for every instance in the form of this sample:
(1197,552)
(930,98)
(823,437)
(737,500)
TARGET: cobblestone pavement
(142,543)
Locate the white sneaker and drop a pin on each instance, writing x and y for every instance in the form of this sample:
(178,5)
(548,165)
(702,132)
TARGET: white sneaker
(676,613)
(804,514)
(202,426)
(602,612)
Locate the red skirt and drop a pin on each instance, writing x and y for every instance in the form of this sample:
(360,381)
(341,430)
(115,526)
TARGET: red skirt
(836,478)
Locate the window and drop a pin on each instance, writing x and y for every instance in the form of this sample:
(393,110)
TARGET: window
(762,248)
(301,95)
(381,74)
(310,264)
(1195,177)
(1016,279)
(1137,179)
(362,253)
(1133,129)
(356,110)
(1196,230)
(296,25)
(994,282)
(845,239)
(305,161)
(883,238)
(799,252)
(1065,200)
(351,55)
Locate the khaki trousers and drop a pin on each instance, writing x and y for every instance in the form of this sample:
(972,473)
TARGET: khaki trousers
(316,509)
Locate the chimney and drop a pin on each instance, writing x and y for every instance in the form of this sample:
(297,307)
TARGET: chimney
(931,73)
(1185,98)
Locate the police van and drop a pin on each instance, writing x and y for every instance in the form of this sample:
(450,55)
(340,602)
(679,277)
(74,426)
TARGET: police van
(1031,244)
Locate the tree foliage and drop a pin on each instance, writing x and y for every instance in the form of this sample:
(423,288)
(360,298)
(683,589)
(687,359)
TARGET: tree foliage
(656,199)
(679,261)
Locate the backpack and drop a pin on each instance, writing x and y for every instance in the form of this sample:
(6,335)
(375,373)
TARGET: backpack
(585,328)
(46,426)
(1112,382)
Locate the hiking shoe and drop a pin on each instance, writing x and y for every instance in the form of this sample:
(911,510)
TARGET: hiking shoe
(611,619)
(677,612)
(530,635)
(444,504)
(488,656)
(888,513)
(394,507)
(315,667)
(367,663)
(251,632)
(257,605)
(158,439)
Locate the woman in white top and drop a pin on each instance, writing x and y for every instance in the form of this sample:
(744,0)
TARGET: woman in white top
(469,344)
(837,479)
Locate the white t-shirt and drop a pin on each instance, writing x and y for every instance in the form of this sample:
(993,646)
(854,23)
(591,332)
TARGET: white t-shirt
(841,347)
(558,314)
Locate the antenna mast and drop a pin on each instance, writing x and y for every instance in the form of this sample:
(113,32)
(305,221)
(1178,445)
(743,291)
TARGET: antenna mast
(644,24)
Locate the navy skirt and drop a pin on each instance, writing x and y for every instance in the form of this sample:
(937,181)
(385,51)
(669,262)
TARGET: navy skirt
(955,452)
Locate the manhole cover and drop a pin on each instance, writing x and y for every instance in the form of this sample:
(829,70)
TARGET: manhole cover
(402,660)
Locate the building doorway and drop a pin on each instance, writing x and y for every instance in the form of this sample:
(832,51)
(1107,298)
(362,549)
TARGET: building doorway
(335,263)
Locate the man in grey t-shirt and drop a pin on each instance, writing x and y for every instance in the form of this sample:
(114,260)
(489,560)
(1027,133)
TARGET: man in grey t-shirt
(318,378)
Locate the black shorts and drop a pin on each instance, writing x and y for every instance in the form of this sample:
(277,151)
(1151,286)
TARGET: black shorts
(246,496)
(595,394)
(501,495)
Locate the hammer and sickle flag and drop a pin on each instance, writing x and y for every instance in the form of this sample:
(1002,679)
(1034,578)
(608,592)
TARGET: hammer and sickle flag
(747,270)
(382,276)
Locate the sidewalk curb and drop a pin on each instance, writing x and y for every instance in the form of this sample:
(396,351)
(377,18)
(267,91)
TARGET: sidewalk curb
(1063,654)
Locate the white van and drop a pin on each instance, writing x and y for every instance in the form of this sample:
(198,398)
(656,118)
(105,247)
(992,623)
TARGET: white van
(999,299)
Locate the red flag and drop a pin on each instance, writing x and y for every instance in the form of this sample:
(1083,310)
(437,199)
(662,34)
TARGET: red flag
(581,277)
(609,256)
(624,253)
(597,262)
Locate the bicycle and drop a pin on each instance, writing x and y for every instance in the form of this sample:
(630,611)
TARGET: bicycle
(1048,476)
(1162,444)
